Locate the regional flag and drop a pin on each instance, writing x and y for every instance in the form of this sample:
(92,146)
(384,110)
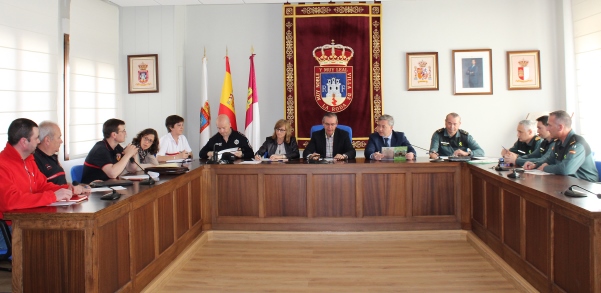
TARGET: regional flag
(226,105)
(205,110)
(252,128)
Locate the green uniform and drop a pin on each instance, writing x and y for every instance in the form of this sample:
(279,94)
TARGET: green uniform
(445,145)
(572,157)
(537,155)
(526,148)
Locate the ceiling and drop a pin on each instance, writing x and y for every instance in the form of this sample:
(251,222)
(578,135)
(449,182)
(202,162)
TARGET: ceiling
(125,3)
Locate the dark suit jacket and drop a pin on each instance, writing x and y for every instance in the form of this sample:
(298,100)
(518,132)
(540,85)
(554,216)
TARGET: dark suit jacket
(342,144)
(270,146)
(376,142)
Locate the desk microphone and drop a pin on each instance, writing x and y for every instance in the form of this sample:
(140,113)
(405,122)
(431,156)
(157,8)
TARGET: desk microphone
(438,159)
(111,196)
(514,174)
(575,193)
(148,181)
(215,158)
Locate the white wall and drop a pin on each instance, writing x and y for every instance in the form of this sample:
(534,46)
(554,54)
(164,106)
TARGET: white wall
(154,30)
(408,26)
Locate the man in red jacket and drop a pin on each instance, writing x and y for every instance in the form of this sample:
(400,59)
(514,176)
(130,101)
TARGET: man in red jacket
(22,185)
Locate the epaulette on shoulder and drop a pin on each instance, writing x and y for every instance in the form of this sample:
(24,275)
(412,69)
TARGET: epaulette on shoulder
(537,138)
(440,130)
(240,133)
(463,131)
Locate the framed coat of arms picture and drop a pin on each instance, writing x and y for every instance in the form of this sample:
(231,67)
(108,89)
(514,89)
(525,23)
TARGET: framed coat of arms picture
(143,73)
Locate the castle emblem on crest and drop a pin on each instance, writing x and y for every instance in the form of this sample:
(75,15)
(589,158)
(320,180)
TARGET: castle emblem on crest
(422,73)
(523,70)
(143,73)
(333,78)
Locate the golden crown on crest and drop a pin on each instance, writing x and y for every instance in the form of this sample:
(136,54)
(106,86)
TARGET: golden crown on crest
(143,66)
(422,63)
(523,63)
(333,54)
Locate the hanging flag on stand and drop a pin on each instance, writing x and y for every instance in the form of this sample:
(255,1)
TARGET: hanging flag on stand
(226,104)
(252,126)
(205,110)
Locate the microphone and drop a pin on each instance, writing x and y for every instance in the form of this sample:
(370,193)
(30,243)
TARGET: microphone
(215,158)
(148,181)
(111,196)
(438,159)
(575,193)
(514,175)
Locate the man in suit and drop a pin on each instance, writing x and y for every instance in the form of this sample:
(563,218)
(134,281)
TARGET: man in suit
(385,136)
(472,74)
(330,142)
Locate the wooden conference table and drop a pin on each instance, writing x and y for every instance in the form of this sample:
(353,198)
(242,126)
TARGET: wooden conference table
(99,246)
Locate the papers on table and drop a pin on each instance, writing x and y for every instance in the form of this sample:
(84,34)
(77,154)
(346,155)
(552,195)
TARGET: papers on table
(230,150)
(250,162)
(168,165)
(483,160)
(97,189)
(537,172)
(75,199)
(135,177)
(179,161)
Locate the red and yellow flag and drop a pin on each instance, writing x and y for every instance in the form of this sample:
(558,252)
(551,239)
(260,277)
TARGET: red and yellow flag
(226,104)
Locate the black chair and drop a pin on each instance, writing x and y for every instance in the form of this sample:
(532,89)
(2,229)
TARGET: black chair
(6,256)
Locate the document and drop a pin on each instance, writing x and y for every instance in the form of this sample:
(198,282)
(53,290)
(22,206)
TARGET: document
(537,172)
(250,162)
(73,200)
(97,189)
(179,161)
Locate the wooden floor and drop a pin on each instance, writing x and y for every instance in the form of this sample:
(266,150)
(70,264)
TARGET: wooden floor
(431,261)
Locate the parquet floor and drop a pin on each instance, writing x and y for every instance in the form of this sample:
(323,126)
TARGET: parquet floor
(431,261)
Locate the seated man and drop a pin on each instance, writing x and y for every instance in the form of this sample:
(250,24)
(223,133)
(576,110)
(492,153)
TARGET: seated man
(227,138)
(108,159)
(385,136)
(546,143)
(452,141)
(527,141)
(45,154)
(22,185)
(571,155)
(330,142)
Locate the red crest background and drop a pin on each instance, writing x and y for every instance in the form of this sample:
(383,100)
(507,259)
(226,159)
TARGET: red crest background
(307,26)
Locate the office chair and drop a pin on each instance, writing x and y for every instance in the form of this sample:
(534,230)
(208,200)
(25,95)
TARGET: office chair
(343,127)
(6,255)
(76,173)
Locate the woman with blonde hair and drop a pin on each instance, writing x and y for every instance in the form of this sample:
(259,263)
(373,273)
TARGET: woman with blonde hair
(280,145)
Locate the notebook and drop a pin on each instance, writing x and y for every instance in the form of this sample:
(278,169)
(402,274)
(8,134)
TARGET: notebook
(113,182)
(460,159)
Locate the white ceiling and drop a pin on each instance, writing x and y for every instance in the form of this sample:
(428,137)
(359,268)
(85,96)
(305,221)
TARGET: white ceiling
(125,3)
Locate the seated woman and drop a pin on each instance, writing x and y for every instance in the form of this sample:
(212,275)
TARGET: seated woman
(281,145)
(148,145)
(174,145)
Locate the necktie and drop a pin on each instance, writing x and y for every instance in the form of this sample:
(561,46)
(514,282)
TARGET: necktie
(386,142)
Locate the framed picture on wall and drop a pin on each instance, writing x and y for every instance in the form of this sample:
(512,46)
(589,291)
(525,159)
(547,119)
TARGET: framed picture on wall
(523,70)
(422,71)
(143,73)
(472,72)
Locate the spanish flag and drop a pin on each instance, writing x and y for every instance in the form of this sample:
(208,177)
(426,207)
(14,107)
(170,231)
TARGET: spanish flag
(226,104)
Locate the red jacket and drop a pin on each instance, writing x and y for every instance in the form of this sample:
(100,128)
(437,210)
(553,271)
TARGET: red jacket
(22,185)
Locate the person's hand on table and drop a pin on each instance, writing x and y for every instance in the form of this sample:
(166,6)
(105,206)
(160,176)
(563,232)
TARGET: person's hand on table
(63,194)
(410,156)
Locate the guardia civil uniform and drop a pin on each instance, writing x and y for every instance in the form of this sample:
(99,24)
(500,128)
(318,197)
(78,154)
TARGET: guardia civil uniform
(444,145)
(537,155)
(571,157)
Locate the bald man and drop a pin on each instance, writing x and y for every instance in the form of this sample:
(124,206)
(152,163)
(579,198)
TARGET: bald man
(227,138)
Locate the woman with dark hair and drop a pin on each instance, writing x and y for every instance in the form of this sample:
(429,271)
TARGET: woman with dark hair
(280,145)
(148,145)
(174,145)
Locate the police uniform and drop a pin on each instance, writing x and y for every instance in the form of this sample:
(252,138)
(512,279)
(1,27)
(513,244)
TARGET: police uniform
(537,155)
(572,157)
(235,140)
(50,166)
(445,145)
(101,154)
(526,148)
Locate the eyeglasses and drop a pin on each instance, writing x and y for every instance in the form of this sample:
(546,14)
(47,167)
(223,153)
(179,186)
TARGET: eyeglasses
(280,130)
(148,140)
(124,131)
